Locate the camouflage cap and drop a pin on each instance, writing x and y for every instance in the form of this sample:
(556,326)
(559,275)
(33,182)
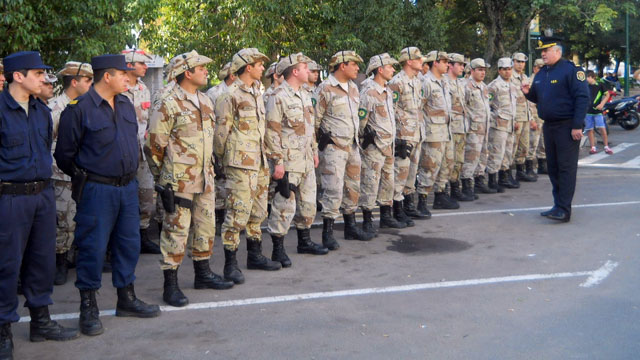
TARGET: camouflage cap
(49,78)
(187,61)
(246,56)
(479,63)
(271,70)
(538,62)
(136,55)
(520,57)
(377,61)
(505,62)
(224,72)
(409,53)
(457,58)
(436,55)
(291,60)
(344,56)
(168,76)
(313,66)
(76,68)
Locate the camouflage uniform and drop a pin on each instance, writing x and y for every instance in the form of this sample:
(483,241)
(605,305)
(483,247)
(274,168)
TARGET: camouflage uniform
(459,124)
(503,97)
(478,113)
(536,140)
(523,116)
(291,142)
(221,192)
(336,108)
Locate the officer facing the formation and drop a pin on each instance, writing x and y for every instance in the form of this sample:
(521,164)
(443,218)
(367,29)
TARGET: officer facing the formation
(180,154)
(77,78)
(525,122)
(98,147)
(561,93)
(536,141)
(239,142)
(28,213)
(336,105)
(377,132)
(293,152)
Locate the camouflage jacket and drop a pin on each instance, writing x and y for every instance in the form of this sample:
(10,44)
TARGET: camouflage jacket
(436,108)
(523,110)
(290,135)
(161,94)
(376,111)
(215,92)
(309,89)
(240,127)
(459,124)
(503,96)
(533,107)
(140,97)
(477,106)
(337,111)
(407,96)
(267,94)
(56,105)
(179,147)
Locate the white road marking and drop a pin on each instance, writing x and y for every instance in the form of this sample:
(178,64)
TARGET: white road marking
(602,155)
(594,278)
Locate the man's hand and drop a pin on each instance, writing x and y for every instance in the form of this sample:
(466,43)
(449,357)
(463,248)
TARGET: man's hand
(316,161)
(533,125)
(516,126)
(278,172)
(526,88)
(576,134)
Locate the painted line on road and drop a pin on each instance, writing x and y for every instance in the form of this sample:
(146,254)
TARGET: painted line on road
(602,155)
(594,278)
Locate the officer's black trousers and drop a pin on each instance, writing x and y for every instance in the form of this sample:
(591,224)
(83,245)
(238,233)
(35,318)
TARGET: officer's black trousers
(562,161)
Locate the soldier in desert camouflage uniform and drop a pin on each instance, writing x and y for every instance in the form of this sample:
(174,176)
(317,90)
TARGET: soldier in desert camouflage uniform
(180,155)
(536,157)
(524,120)
(275,79)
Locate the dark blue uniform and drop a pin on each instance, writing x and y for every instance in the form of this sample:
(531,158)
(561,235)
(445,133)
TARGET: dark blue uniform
(27,211)
(562,97)
(103,142)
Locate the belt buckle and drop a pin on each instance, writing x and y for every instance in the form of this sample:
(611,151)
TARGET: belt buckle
(30,188)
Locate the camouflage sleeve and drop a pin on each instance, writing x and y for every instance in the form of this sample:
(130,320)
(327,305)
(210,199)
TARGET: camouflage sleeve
(396,91)
(224,119)
(320,104)
(273,139)
(364,111)
(161,123)
(426,92)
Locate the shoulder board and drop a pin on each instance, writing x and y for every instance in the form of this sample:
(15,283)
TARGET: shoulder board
(73,102)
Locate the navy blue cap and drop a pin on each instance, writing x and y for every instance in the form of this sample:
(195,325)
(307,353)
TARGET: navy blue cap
(23,60)
(109,61)
(548,41)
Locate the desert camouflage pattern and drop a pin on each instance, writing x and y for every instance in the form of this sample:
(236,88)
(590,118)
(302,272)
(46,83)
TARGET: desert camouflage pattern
(503,98)
(406,171)
(459,121)
(376,183)
(300,207)
(336,108)
(161,94)
(436,163)
(521,143)
(140,97)
(267,93)
(523,116)
(216,91)
(478,114)
(340,180)
(436,108)
(536,139)
(407,97)
(213,94)
(459,142)
(500,150)
(57,105)
(65,213)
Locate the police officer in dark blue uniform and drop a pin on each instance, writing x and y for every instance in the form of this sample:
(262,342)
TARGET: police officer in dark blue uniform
(562,95)
(98,147)
(27,203)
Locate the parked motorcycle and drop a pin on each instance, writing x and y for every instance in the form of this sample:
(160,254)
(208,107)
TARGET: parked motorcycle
(623,112)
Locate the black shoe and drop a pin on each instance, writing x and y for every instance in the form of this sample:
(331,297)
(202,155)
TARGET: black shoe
(90,323)
(328,240)
(62,269)
(481,187)
(542,167)
(503,180)
(129,305)
(423,207)
(548,212)
(466,194)
(559,215)
(522,175)
(457,194)
(6,342)
(219,220)
(172,294)
(352,232)
(146,245)
(410,209)
(513,180)
(231,270)
(306,246)
(443,201)
(207,279)
(494,184)
(387,220)
(528,164)
(279,254)
(400,215)
(367,222)
(42,328)
(257,261)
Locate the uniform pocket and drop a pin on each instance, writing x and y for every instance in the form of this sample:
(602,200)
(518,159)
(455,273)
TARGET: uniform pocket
(13,146)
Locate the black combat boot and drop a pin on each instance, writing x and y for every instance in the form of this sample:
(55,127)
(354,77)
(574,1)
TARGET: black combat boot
(172,294)
(443,201)
(512,179)
(279,254)
(367,222)
(231,270)
(219,220)
(306,246)
(423,207)
(523,175)
(387,220)
(528,164)
(410,208)
(62,269)
(400,215)
(503,180)
(481,186)
(146,245)
(351,231)
(90,323)
(467,190)
(542,167)
(255,259)
(129,305)
(207,279)
(494,185)
(328,240)
(459,194)
(6,342)
(42,328)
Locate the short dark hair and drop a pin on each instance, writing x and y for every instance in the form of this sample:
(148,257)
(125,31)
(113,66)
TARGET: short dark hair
(180,77)
(241,70)
(337,66)
(66,80)
(227,77)
(430,63)
(98,75)
(591,74)
(9,76)
(375,71)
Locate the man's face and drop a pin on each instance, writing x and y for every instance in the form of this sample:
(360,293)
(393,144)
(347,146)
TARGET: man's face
(456,68)
(425,67)
(550,55)
(441,65)
(199,75)
(47,91)
(505,73)
(518,65)
(33,83)
(83,84)
(386,71)
(255,70)
(301,72)
(415,64)
(478,74)
(139,68)
(591,80)
(350,69)
(536,69)
(313,76)
(2,80)
(119,81)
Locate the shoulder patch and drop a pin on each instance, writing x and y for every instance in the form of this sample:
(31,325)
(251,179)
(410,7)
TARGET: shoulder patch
(490,96)
(313,101)
(580,75)
(395,96)
(73,102)
(362,113)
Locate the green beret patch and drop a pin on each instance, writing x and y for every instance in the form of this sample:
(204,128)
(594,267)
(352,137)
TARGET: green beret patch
(313,102)
(362,113)
(490,96)
(395,96)
(580,75)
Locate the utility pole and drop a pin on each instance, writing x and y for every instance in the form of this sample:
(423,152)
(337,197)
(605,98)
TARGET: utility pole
(627,60)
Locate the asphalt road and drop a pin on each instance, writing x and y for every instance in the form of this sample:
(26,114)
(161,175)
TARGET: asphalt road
(493,280)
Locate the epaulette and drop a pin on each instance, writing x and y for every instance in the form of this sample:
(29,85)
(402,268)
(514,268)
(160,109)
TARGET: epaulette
(73,102)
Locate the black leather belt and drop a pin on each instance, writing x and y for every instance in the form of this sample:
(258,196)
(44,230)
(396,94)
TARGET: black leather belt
(114,181)
(29,188)
(182,202)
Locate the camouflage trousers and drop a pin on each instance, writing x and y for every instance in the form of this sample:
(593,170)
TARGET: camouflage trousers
(246,204)
(521,142)
(459,142)
(536,144)
(195,226)
(500,150)
(474,150)
(405,172)
(221,193)
(65,212)
(146,194)
(300,207)
(340,179)
(436,162)
(376,183)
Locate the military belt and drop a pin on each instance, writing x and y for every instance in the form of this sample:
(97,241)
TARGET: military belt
(29,188)
(114,181)
(182,202)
